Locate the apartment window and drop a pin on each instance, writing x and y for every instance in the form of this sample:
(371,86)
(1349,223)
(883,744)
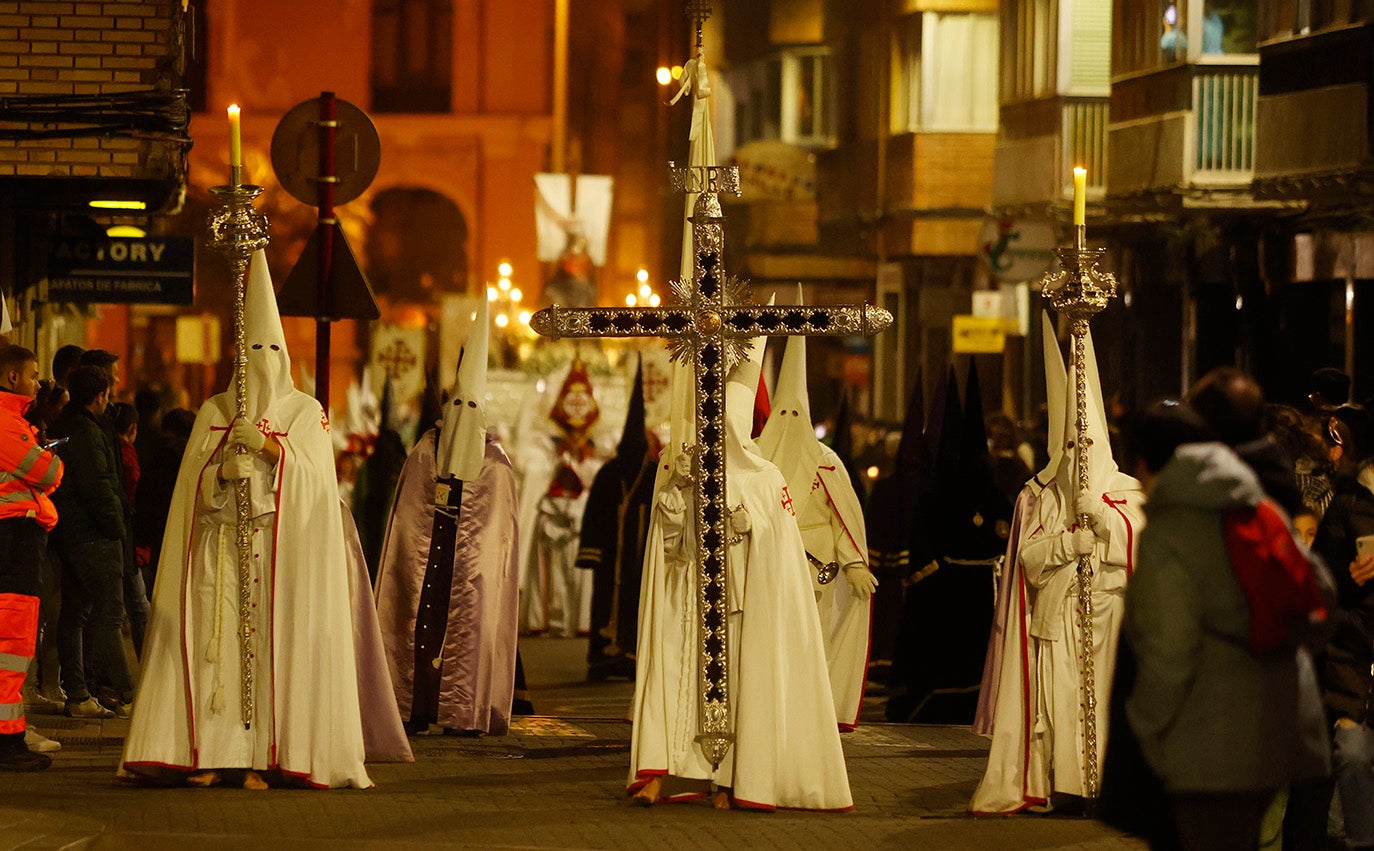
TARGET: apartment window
(1028,52)
(949,79)
(786,96)
(412,55)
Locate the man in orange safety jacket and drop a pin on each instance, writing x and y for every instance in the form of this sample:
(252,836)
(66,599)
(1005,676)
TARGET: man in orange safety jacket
(29,472)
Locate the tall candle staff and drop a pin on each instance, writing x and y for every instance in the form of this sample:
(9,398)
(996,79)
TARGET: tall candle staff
(237,230)
(1079,291)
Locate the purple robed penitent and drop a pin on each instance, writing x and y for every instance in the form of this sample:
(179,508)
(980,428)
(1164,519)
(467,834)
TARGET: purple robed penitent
(476,658)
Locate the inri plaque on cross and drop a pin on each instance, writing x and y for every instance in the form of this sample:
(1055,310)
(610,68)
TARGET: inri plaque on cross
(709,324)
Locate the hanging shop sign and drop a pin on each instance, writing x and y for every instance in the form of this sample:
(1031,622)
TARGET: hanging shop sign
(124,270)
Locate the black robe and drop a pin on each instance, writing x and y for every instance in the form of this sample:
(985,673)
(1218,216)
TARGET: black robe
(614,528)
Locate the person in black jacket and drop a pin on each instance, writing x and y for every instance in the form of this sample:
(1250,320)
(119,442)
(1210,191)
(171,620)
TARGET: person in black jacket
(1347,676)
(90,538)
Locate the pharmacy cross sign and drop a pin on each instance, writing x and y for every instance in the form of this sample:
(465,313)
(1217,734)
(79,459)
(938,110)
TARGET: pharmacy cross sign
(710,325)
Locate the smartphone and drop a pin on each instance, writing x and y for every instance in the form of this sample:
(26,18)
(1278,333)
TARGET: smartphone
(1364,545)
(53,444)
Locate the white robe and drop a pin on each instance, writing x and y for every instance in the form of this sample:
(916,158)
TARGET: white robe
(306,719)
(1038,727)
(832,527)
(787,748)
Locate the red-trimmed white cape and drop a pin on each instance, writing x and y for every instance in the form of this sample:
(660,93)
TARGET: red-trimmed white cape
(311,714)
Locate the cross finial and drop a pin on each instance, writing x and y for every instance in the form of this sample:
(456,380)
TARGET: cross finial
(698,11)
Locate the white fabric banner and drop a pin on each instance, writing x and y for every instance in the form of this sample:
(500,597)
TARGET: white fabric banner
(559,212)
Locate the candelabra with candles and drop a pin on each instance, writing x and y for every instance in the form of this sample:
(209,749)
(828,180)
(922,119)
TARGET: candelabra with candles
(1079,290)
(511,317)
(643,295)
(237,230)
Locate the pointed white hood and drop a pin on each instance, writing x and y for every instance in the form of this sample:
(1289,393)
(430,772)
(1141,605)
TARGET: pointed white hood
(1056,386)
(1101,466)
(741,453)
(462,445)
(789,437)
(269,365)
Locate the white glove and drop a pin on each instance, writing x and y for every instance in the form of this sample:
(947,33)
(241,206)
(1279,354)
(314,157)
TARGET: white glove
(1081,542)
(236,467)
(1090,505)
(682,470)
(247,434)
(862,582)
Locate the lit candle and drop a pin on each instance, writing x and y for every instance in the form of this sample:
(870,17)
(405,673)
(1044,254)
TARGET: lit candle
(235,138)
(1080,198)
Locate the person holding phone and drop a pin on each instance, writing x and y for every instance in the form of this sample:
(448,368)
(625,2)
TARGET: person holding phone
(1345,539)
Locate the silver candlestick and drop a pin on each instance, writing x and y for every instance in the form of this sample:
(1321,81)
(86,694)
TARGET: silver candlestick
(237,230)
(1079,291)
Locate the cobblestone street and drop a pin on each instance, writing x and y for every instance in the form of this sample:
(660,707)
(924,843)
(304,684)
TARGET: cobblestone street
(556,782)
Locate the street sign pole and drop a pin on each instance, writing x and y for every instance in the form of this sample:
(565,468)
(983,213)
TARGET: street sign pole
(325,231)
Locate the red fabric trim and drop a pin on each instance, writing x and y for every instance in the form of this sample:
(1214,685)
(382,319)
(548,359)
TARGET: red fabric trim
(868,654)
(1130,532)
(1027,728)
(272,613)
(300,775)
(769,808)
(1030,802)
(643,777)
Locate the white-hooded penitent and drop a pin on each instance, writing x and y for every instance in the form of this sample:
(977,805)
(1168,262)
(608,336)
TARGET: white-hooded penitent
(789,437)
(1102,467)
(463,434)
(1056,385)
(269,364)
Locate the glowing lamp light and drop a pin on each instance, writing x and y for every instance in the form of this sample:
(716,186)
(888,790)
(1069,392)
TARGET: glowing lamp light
(504,284)
(125,230)
(516,295)
(664,75)
(502,320)
(631,300)
(654,300)
(109,204)
(491,293)
(872,472)
(645,290)
(504,269)
(642,275)
(676,72)
(524,317)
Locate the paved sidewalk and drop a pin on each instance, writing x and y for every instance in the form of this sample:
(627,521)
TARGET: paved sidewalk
(553,783)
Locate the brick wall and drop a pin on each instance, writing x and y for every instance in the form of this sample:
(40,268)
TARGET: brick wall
(92,48)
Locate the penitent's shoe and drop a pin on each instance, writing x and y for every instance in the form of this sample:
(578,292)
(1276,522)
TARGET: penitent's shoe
(88,708)
(39,743)
(20,758)
(122,710)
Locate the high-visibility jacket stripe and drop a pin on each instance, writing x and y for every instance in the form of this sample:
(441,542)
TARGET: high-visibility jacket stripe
(11,662)
(11,711)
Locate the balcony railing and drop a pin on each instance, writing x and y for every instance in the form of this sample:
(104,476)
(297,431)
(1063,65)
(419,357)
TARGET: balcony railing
(1223,119)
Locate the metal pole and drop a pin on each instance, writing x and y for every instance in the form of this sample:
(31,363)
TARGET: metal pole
(237,230)
(559,142)
(1080,291)
(324,307)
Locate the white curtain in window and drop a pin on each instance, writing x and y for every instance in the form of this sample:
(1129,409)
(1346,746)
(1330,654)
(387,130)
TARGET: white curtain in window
(959,83)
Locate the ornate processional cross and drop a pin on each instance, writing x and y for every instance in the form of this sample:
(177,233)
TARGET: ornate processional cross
(710,325)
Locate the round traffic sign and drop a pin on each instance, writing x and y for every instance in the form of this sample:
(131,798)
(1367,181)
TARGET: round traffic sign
(296,151)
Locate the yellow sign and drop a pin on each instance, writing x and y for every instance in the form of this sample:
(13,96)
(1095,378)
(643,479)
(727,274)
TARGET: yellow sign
(979,335)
